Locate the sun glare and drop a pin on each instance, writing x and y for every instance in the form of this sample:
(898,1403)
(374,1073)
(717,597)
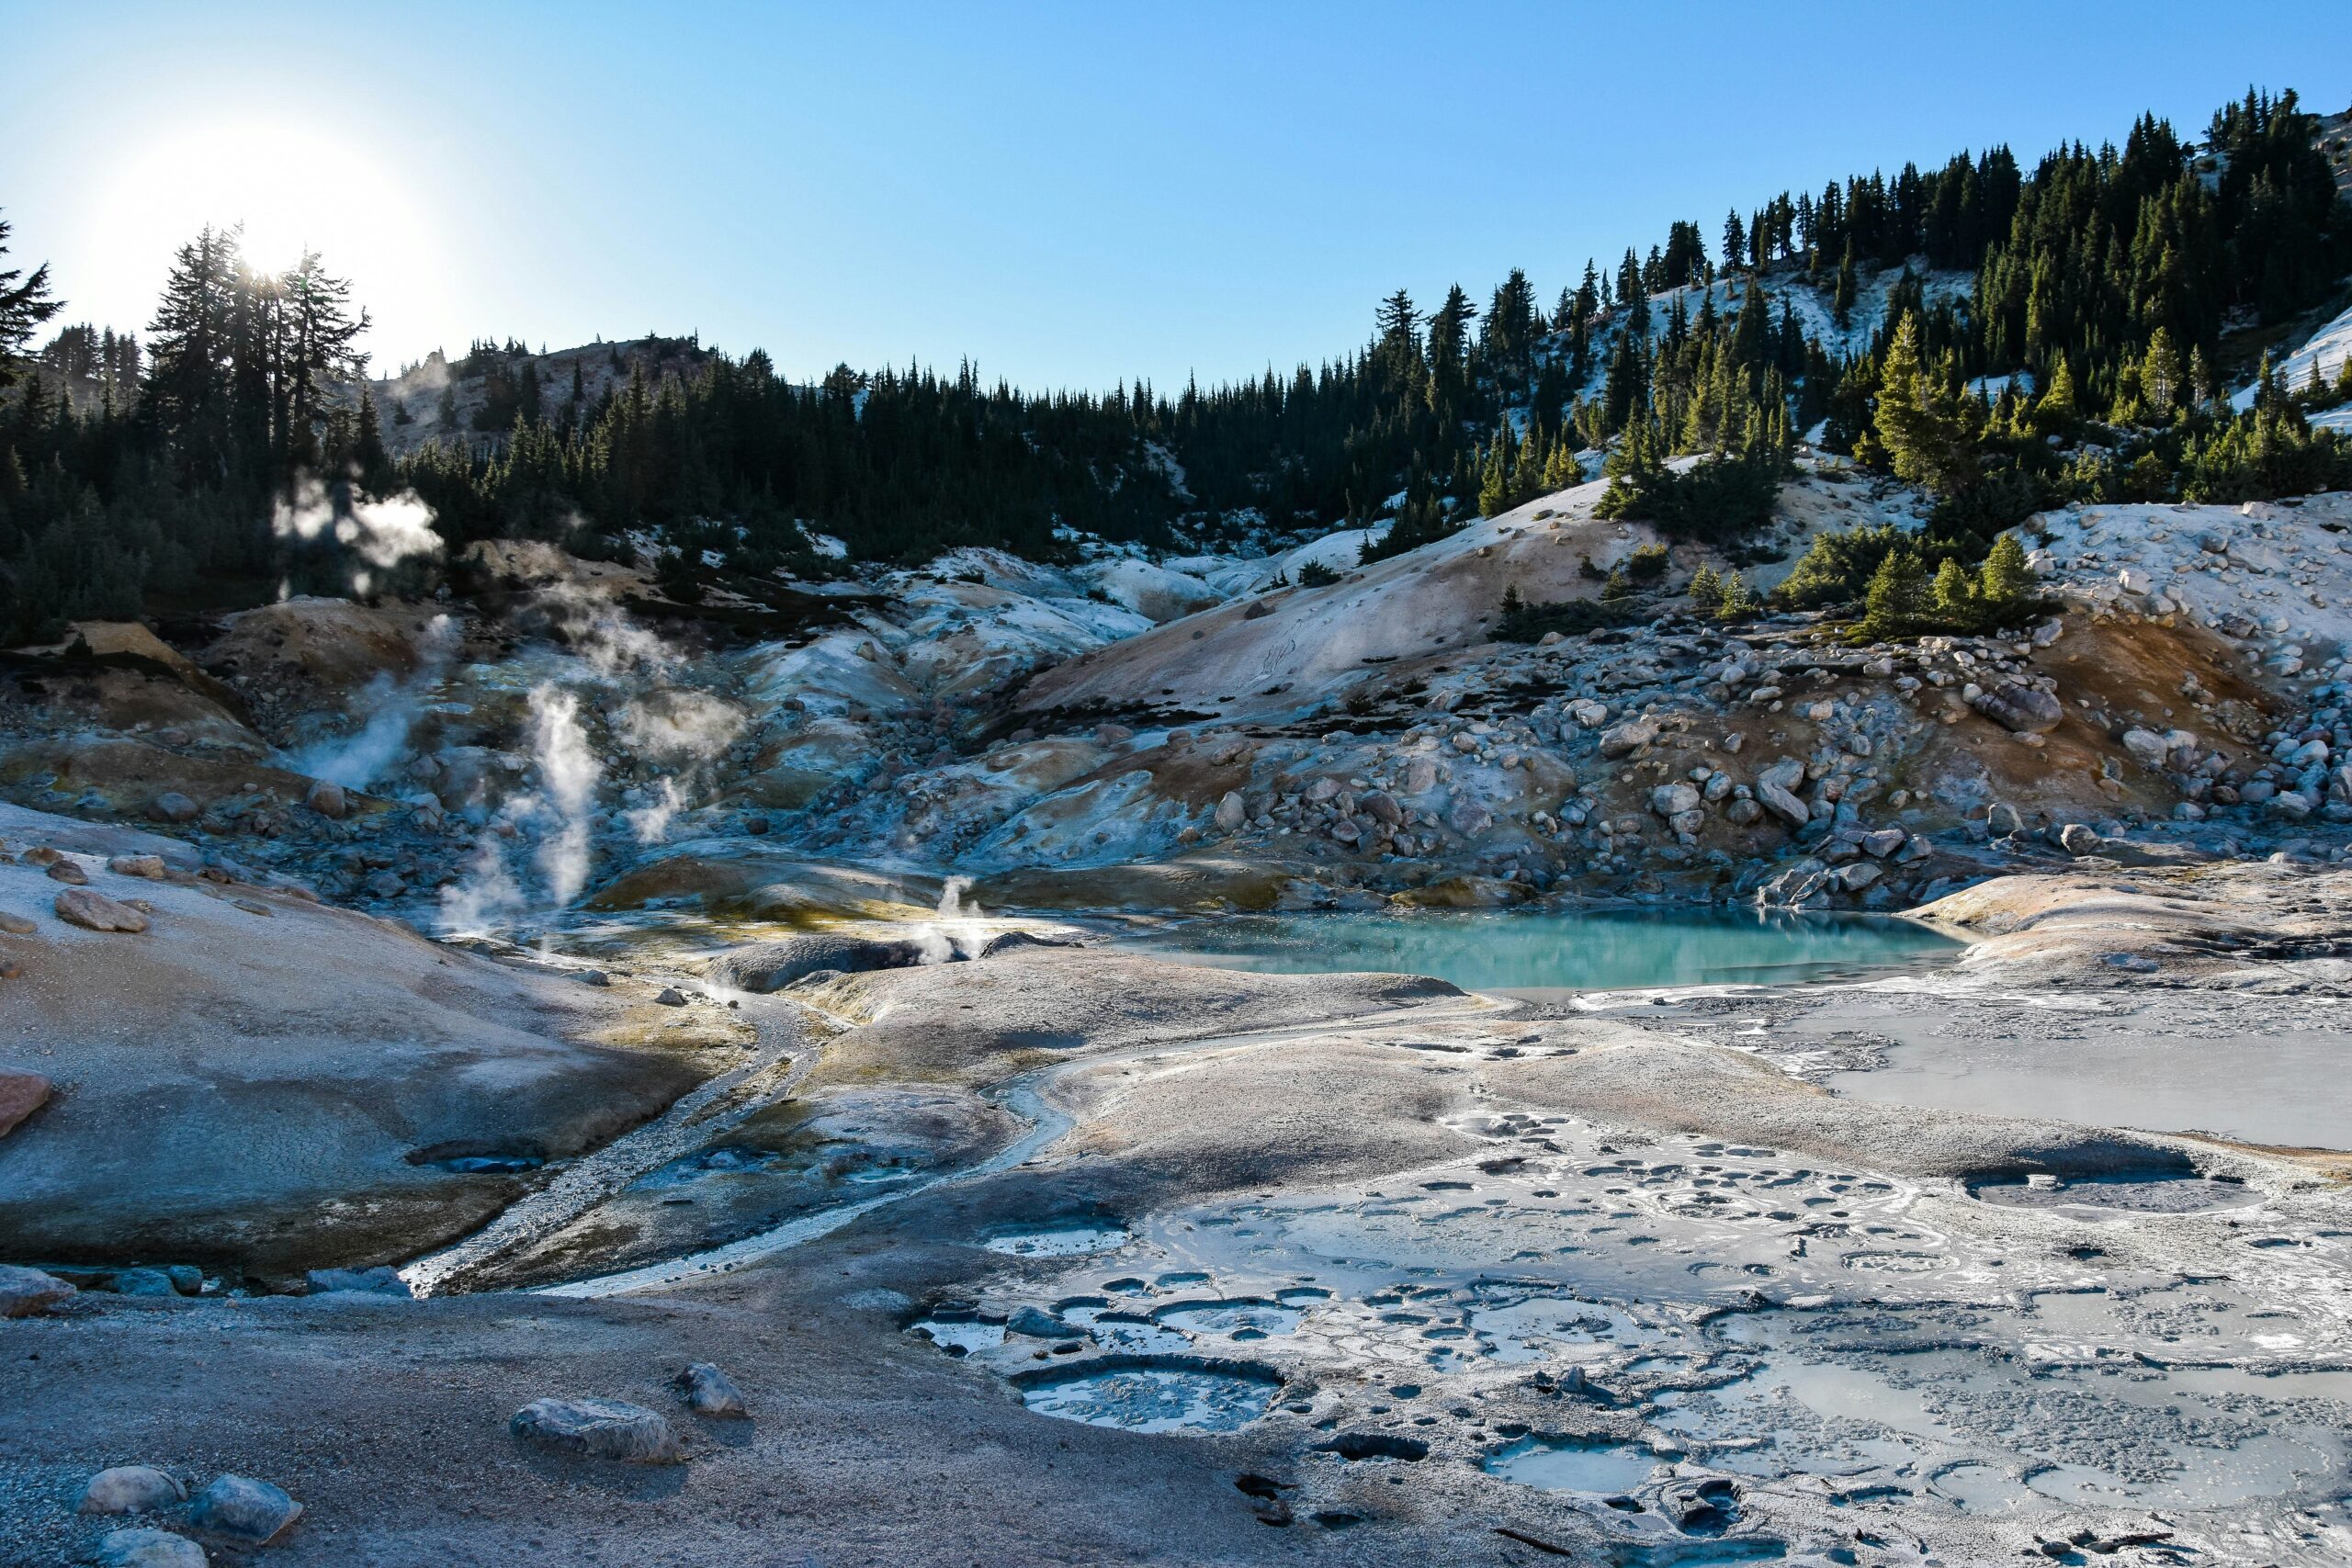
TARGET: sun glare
(292,187)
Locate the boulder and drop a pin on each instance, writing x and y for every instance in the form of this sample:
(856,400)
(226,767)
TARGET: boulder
(1855,876)
(1469,819)
(2079,839)
(597,1429)
(1882,843)
(28,1292)
(149,1549)
(172,807)
(148,866)
(380,1280)
(327,798)
(1588,713)
(240,1509)
(1231,813)
(2146,747)
(132,1489)
(17,925)
(1624,740)
(96,911)
(763,967)
(1420,776)
(1383,807)
(709,1392)
(2022,710)
(1671,800)
(21,1094)
(69,871)
(1781,803)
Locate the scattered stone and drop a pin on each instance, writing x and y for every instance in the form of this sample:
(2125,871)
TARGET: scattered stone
(597,1429)
(150,1548)
(132,1489)
(68,872)
(149,866)
(21,1094)
(1230,812)
(671,996)
(172,807)
(2079,839)
(593,978)
(96,911)
(709,1392)
(240,1509)
(1782,804)
(17,925)
(380,1280)
(28,1292)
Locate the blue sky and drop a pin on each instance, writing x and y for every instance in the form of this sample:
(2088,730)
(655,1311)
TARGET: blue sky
(1069,195)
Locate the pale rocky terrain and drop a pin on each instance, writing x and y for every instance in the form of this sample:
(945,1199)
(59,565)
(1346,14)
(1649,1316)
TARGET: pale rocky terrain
(414,1011)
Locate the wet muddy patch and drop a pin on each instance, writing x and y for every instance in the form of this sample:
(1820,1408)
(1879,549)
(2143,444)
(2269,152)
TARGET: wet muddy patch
(1153,1395)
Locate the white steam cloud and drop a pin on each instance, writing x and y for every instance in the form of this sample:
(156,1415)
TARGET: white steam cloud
(381,533)
(356,761)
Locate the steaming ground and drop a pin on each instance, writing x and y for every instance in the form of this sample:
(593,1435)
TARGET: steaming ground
(651,986)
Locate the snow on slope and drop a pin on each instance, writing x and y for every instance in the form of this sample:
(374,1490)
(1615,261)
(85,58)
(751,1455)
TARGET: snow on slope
(2326,348)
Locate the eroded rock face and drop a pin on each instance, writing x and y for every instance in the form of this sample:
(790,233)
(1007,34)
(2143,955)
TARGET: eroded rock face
(598,1429)
(763,967)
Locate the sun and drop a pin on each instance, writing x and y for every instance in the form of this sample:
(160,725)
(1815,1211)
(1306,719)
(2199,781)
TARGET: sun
(292,187)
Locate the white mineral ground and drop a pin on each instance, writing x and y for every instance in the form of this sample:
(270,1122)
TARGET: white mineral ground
(1025,1247)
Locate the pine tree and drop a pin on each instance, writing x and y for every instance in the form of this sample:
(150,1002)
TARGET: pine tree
(1706,590)
(23,307)
(1897,595)
(1954,597)
(2007,583)
(1929,434)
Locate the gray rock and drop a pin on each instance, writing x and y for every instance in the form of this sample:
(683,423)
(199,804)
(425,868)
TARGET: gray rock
(1383,808)
(2023,710)
(1420,776)
(382,1280)
(709,1392)
(132,1489)
(1742,813)
(150,1548)
(26,1292)
(671,996)
(95,911)
(1469,819)
(1883,842)
(1781,803)
(1855,876)
(144,1282)
(597,1429)
(1672,800)
(2146,747)
(148,866)
(763,967)
(1037,1324)
(1624,740)
(172,807)
(1230,812)
(2078,838)
(239,1508)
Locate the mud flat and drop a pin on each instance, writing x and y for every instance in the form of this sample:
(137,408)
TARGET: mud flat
(1069,1254)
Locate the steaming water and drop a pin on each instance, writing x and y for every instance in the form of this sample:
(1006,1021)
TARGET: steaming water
(1601,950)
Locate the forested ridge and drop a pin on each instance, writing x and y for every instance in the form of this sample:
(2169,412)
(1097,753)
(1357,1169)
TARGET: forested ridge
(2004,336)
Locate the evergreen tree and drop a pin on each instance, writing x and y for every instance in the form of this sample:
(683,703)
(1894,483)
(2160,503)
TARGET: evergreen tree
(24,306)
